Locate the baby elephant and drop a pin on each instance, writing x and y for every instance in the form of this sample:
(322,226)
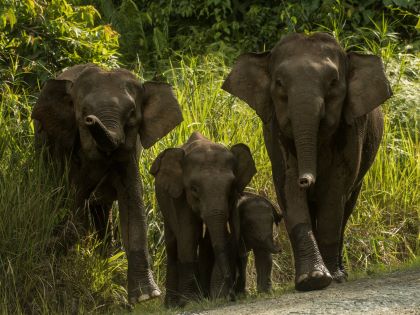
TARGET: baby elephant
(199,184)
(257,216)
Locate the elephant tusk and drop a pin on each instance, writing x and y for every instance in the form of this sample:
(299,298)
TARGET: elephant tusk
(228,227)
(204,229)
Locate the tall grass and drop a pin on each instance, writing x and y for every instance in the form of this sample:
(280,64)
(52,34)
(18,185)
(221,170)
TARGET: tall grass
(34,279)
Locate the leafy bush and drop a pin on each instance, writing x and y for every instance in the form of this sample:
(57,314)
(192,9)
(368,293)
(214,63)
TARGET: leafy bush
(152,30)
(41,37)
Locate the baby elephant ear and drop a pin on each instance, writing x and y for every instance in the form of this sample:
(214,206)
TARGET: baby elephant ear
(161,113)
(367,86)
(250,81)
(245,166)
(167,171)
(277,215)
(54,110)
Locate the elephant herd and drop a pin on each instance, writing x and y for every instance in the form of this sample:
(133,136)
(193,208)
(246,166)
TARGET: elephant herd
(322,127)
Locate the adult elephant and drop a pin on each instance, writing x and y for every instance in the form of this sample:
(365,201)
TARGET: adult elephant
(98,121)
(322,129)
(199,183)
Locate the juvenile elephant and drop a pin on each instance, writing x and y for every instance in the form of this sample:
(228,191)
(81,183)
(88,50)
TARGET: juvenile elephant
(256,216)
(198,184)
(322,129)
(98,121)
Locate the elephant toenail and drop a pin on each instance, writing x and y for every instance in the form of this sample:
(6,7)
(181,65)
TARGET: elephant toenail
(317,274)
(144,297)
(302,278)
(155,293)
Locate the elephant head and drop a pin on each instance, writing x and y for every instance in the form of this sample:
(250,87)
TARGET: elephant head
(257,216)
(309,85)
(209,177)
(105,110)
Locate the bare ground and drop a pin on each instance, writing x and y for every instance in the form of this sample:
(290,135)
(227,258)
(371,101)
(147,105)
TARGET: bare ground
(394,293)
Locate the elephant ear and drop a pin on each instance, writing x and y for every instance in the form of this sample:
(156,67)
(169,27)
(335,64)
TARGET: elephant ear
(167,171)
(368,86)
(250,81)
(54,110)
(245,165)
(277,215)
(160,112)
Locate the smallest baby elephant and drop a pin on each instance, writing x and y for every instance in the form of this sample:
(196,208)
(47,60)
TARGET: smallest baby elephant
(257,216)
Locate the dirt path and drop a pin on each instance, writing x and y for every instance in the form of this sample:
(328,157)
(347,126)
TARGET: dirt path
(395,293)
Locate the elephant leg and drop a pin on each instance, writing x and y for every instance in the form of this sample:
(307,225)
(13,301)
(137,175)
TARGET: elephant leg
(348,209)
(263,265)
(205,264)
(187,244)
(242,262)
(100,215)
(310,270)
(171,297)
(329,232)
(141,285)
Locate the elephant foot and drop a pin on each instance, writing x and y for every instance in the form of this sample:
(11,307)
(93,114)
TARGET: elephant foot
(188,282)
(311,273)
(171,301)
(264,289)
(316,279)
(332,259)
(339,276)
(141,285)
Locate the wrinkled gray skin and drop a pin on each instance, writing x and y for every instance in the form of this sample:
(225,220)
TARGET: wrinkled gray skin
(98,121)
(257,216)
(198,184)
(322,129)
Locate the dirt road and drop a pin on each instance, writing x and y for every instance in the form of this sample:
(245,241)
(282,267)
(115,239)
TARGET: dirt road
(395,293)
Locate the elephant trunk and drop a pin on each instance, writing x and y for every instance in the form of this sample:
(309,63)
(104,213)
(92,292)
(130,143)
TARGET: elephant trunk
(222,280)
(305,126)
(106,139)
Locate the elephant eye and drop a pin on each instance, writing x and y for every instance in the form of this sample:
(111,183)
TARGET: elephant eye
(279,83)
(194,190)
(333,83)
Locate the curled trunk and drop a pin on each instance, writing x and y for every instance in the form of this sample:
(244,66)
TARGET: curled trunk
(106,139)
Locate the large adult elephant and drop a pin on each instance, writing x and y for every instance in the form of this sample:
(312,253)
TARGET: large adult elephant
(199,183)
(98,121)
(322,129)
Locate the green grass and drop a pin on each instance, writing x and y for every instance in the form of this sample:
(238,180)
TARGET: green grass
(383,231)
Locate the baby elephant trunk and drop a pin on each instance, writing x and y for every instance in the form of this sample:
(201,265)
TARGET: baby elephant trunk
(106,140)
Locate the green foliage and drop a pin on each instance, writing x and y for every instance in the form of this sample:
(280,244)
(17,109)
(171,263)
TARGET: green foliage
(153,30)
(40,37)
(383,230)
(51,35)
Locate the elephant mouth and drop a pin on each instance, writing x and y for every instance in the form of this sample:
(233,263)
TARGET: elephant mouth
(107,140)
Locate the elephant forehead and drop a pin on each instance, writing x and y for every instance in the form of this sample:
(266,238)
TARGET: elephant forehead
(106,81)
(319,43)
(315,65)
(210,157)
